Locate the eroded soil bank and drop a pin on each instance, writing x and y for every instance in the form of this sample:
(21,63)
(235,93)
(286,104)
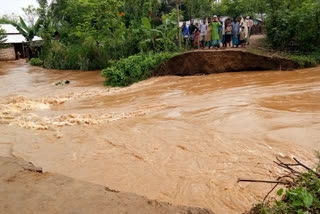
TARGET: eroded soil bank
(182,140)
(24,189)
(210,62)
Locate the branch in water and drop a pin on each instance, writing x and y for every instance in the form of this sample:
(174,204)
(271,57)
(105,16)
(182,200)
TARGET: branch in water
(262,181)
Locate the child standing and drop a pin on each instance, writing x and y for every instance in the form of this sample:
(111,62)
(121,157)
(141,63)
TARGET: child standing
(228,35)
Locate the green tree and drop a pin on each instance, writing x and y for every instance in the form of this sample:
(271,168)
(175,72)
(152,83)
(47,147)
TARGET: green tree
(197,9)
(7,19)
(31,14)
(294,25)
(235,8)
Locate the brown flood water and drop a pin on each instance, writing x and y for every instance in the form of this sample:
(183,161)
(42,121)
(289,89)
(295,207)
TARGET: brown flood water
(183,140)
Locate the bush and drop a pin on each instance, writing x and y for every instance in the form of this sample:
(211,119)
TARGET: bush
(36,62)
(85,56)
(133,69)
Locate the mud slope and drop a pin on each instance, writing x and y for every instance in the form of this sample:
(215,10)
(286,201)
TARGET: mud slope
(25,189)
(209,62)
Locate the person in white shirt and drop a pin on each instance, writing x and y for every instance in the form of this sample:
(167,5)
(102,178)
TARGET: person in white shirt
(203,32)
(247,24)
(250,24)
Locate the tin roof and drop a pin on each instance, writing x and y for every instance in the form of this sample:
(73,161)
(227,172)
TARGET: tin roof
(14,36)
(18,38)
(9,28)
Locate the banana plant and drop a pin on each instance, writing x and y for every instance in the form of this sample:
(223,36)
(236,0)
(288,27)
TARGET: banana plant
(153,34)
(28,32)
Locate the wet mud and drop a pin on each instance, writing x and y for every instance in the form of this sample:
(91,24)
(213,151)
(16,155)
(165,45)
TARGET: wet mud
(182,140)
(51,193)
(210,62)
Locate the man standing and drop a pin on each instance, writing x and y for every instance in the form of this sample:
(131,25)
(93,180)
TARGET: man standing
(245,24)
(235,31)
(250,24)
(185,31)
(203,32)
(192,30)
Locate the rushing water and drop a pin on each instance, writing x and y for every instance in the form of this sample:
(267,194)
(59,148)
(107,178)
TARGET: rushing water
(183,140)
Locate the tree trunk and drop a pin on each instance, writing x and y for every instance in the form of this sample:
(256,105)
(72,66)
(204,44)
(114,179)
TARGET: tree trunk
(178,21)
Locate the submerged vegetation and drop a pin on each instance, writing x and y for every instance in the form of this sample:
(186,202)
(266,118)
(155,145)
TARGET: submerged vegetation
(36,62)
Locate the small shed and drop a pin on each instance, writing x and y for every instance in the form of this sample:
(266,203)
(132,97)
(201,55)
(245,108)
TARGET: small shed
(17,47)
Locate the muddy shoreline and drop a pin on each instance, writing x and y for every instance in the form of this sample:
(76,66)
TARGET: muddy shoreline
(25,187)
(211,62)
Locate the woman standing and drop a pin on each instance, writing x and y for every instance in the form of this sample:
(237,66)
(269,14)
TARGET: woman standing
(235,32)
(215,32)
(209,35)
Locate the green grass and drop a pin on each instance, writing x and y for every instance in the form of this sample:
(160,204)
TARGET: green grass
(305,61)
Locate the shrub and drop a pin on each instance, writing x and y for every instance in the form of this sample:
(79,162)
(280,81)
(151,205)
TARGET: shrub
(85,56)
(133,69)
(36,62)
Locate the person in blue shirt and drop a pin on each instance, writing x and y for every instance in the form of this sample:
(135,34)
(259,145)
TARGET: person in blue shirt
(221,22)
(185,31)
(220,28)
(235,32)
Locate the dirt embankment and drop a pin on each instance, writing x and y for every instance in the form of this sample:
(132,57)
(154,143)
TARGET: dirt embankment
(209,62)
(24,188)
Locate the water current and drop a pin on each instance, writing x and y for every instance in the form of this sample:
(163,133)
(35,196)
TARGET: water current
(182,140)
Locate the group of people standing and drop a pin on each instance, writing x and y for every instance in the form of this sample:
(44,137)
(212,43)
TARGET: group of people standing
(217,33)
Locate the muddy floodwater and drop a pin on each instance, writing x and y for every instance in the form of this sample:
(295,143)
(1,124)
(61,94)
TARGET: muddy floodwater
(182,140)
